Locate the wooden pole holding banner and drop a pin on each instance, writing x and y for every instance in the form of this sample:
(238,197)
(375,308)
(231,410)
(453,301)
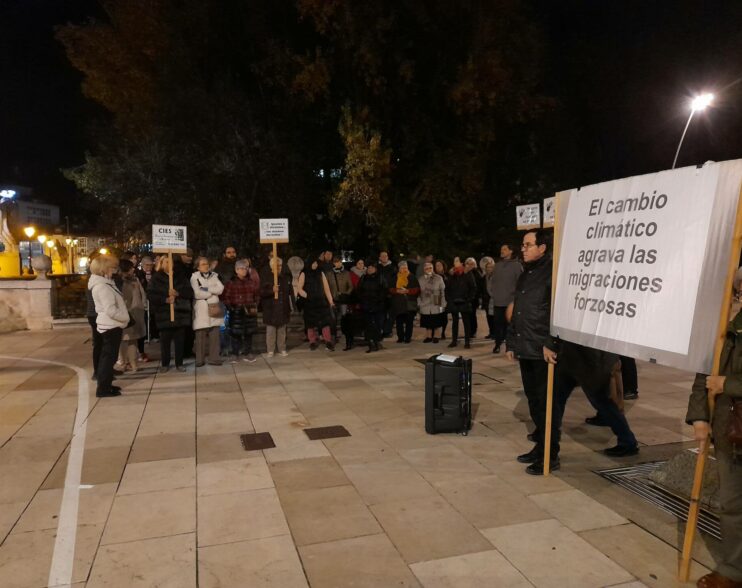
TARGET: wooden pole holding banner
(703,446)
(550,367)
(170,282)
(275,269)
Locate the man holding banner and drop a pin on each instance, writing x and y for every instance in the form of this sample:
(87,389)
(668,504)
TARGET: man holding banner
(527,335)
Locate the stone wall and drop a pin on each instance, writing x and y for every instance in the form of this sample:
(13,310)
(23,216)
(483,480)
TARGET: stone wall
(25,304)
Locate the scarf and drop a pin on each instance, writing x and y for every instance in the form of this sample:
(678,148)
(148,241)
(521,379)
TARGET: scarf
(402,280)
(458,270)
(358,272)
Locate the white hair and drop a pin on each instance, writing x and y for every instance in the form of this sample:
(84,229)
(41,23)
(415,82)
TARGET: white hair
(402,264)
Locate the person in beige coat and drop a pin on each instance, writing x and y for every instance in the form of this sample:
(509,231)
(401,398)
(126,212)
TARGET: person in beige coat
(432,302)
(135,298)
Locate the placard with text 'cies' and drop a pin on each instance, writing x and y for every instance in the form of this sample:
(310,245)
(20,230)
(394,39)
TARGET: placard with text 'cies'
(173,238)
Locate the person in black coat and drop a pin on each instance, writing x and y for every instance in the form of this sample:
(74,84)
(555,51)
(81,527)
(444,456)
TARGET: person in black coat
(160,297)
(528,334)
(388,275)
(372,295)
(461,291)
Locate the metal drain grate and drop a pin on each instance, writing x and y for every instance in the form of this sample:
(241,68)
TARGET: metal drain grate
(636,479)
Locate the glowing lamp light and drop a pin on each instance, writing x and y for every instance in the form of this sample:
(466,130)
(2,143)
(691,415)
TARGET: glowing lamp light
(74,242)
(30,232)
(42,239)
(68,241)
(103,251)
(82,262)
(701,102)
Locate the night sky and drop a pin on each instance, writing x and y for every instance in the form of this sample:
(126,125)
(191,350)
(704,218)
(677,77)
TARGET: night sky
(622,73)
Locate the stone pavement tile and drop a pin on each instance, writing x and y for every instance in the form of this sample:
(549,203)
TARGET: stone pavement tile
(151,476)
(43,511)
(407,432)
(327,514)
(19,482)
(159,422)
(47,378)
(577,511)
(444,458)
(213,423)
(430,529)
(235,475)
(549,554)
(161,447)
(271,562)
(292,444)
(48,424)
(306,474)
(490,502)
(165,562)
(220,447)
(653,434)
(515,474)
(377,485)
(105,433)
(149,515)
(25,558)
(370,561)
(364,446)
(25,450)
(650,559)
(377,410)
(207,402)
(101,465)
(486,568)
(9,515)
(239,516)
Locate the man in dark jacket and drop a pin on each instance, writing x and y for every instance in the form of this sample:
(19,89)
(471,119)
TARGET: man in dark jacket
(372,297)
(225,267)
(527,336)
(388,276)
(726,388)
(503,281)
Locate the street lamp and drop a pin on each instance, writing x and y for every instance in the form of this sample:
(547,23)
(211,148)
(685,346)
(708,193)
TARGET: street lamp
(699,103)
(42,239)
(30,232)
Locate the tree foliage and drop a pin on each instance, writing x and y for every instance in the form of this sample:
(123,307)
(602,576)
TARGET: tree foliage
(222,111)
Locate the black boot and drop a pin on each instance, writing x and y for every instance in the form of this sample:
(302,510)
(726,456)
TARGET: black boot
(533,456)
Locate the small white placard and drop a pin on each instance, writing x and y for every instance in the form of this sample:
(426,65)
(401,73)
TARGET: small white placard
(549,211)
(274,230)
(172,238)
(528,216)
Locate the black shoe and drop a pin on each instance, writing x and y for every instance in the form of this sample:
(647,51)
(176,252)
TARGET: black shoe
(453,344)
(428,340)
(443,336)
(111,393)
(621,451)
(95,377)
(347,347)
(118,373)
(467,345)
(631,395)
(370,349)
(531,437)
(115,388)
(408,340)
(489,337)
(330,346)
(537,468)
(596,421)
(435,340)
(496,349)
(400,340)
(531,457)
(313,346)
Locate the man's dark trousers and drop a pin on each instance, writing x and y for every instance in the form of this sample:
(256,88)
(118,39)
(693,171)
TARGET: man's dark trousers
(534,373)
(599,397)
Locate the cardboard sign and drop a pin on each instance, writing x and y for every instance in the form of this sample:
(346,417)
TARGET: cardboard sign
(643,261)
(549,210)
(274,230)
(169,238)
(528,216)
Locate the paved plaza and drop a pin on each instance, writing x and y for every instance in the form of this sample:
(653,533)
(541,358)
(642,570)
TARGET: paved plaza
(156,488)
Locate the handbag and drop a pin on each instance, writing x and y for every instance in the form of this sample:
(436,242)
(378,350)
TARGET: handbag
(251,310)
(734,426)
(132,321)
(215,310)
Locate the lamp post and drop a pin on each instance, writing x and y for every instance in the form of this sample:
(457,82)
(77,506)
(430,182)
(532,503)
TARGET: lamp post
(30,232)
(699,103)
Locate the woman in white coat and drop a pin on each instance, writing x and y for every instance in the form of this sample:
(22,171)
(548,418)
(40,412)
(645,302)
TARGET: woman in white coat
(112,318)
(208,315)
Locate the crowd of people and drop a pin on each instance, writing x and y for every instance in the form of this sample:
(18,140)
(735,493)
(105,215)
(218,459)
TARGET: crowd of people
(213,308)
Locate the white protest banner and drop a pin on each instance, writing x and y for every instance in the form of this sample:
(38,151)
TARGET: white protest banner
(169,238)
(643,262)
(549,209)
(274,230)
(528,216)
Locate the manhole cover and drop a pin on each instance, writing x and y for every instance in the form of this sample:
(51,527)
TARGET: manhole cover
(257,441)
(332,432)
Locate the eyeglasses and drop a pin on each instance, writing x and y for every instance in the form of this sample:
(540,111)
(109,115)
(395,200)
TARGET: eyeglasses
(528,245)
